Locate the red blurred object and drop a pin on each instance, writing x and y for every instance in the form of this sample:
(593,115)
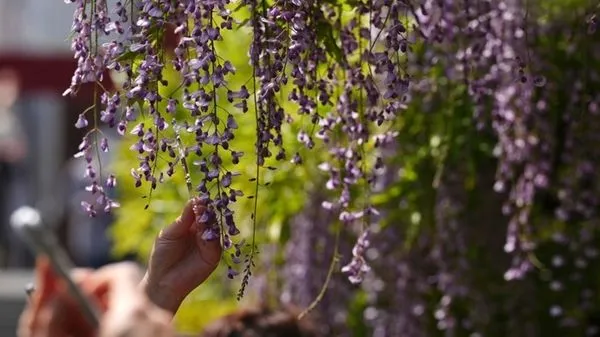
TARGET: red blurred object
(53,72)
(171,40)
(48,73)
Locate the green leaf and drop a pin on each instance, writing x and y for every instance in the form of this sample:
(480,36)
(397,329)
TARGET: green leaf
(326,37)
(127,56)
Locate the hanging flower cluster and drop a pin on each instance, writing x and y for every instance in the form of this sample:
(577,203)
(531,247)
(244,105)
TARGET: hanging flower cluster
(135,32)
(531,85)
(350,69)
(349,91)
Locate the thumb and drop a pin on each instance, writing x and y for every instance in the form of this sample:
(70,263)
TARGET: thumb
(53,312)
(181,226)
(116,282)
(47,284)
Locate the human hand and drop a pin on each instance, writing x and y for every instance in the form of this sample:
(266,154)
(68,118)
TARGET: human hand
(130,312)
(127,312)
(180,260)
(50,312)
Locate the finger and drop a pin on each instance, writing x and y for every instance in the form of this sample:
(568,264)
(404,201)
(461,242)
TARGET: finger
(119,281)
(64,318)
(42,311)
(57,316)
(180,227)
(41,326)
(96,291)
(79,275)
(205,217)
(60,315)
(24,326)
(49,282)
(47,285)
(210,251)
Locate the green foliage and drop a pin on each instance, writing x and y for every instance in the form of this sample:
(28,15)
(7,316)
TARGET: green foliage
(281,195)
(435,134)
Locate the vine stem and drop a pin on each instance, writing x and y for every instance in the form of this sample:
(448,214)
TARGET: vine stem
(94,50)
(332,264)
(184,164)
(215,121)
(257,182)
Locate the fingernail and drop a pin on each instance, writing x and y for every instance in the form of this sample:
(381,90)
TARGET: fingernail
(29,289)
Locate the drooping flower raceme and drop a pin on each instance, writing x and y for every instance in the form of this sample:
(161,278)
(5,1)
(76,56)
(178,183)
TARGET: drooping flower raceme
(341,74)
(347,91)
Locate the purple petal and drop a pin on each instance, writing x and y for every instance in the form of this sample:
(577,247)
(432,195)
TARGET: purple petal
(81,122)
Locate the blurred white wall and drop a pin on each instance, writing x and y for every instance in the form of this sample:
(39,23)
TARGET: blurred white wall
(36,32)
(34,41)
(35,26)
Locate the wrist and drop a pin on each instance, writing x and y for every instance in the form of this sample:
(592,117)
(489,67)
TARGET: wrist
(162,295)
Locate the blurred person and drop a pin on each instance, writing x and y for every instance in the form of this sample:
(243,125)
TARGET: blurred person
(125,308)
(261,322)
(13,151)
(180,261)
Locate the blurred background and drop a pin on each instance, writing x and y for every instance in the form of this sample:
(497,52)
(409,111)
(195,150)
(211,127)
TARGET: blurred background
(37,137)
(37,140)
(438,257)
